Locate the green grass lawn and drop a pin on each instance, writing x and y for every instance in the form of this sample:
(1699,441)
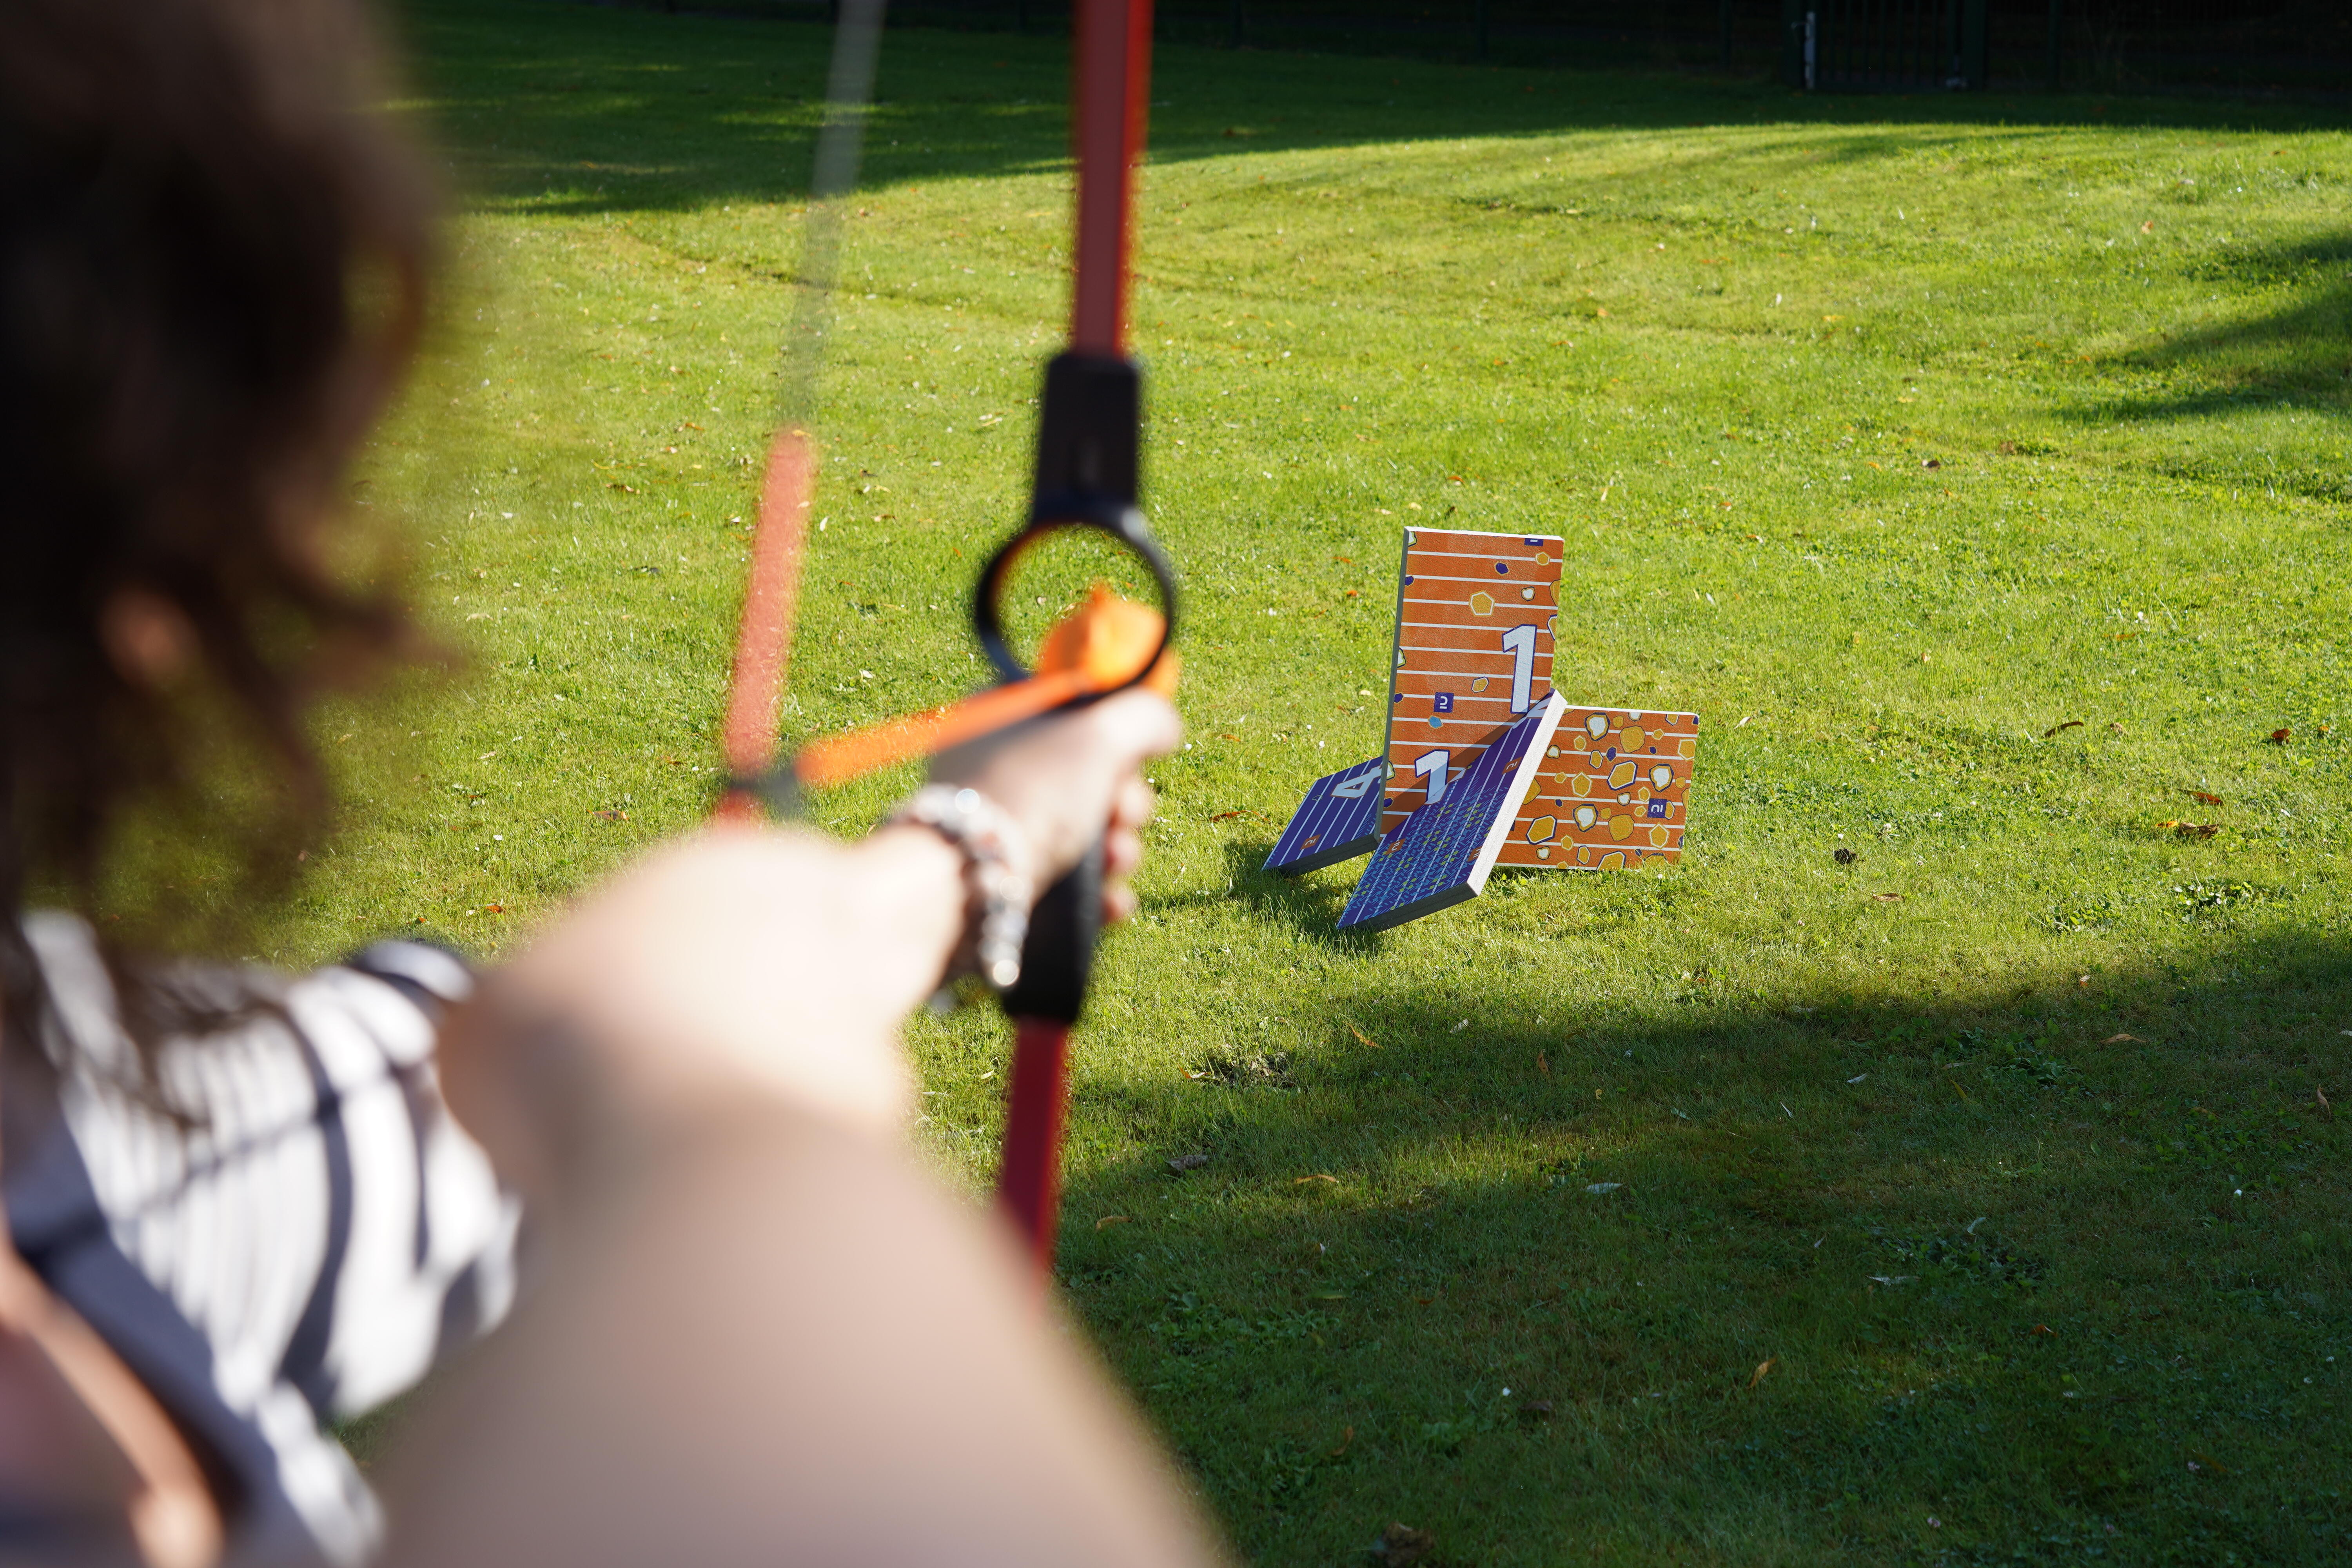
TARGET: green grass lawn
(1974,1201)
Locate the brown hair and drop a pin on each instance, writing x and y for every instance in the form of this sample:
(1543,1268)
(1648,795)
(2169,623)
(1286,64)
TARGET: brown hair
(213,258)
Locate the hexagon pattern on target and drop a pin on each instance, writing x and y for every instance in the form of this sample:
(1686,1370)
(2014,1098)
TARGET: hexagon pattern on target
(1614,790)
(1473,655)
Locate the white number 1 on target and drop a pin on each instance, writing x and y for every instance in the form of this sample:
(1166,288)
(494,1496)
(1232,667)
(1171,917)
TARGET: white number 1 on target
(1521,642)
(1431,766)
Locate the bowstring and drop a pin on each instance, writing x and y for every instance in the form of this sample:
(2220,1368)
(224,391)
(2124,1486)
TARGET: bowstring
(840,148)
(751,728)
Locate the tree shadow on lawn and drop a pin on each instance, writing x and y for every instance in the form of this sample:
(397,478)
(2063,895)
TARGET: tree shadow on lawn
(2051,1267)
(2297,355)
(579,108)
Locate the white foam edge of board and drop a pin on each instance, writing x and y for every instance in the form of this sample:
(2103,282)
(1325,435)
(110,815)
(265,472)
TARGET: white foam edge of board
(1554,708)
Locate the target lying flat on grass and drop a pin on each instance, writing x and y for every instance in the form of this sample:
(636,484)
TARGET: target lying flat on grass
(1338,820)
(1485,765)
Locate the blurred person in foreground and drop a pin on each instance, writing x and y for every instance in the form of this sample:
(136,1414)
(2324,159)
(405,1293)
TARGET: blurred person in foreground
(243,1204)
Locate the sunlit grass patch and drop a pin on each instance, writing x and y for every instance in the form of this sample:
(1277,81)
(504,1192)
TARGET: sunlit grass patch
(1978,475)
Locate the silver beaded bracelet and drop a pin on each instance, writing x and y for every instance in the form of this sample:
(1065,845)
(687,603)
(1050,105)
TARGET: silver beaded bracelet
(996,867)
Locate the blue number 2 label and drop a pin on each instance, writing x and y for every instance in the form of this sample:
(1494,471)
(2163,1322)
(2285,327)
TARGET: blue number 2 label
(1521,643)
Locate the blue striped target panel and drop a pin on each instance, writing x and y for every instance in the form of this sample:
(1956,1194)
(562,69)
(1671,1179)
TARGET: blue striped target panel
(1441,854)
(1338,820)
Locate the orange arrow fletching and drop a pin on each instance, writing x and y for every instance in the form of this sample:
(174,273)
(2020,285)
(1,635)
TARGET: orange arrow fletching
(1105,640)
(1095,649)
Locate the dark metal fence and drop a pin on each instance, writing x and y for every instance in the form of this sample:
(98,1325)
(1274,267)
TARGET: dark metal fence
(1858,46)
(1886,45)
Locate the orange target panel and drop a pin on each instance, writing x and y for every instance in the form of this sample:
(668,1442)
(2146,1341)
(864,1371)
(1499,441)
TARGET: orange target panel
(1473,639)
(1613,791)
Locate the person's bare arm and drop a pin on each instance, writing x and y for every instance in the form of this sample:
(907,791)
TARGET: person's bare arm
(739,963)
(764,1335)
(778,1343)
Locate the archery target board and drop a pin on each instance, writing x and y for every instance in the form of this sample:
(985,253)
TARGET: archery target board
(1612,789)
(1473,655)
(1440,854)
(1338,820)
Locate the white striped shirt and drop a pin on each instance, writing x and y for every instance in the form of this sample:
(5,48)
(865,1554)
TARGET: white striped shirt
(303,1248)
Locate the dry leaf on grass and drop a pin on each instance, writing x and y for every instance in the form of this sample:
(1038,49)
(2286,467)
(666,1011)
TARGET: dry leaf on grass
(2324,1106)
(1109,1220)
(1888,897)
(1844,857)
(1318,1177)
(1542,1066)
(1346,1436)
(1401,1545)
(2279,737)
(1363,1038)
(1183,1163)
(2192,830)
(2202,797)
(2120,1040)
(2069,724)
(1762,1368)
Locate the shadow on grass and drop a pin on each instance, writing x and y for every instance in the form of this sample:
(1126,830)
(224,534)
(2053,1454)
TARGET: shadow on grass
(2295,355)
(2062,1270)
(583,108)
(1308,905)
